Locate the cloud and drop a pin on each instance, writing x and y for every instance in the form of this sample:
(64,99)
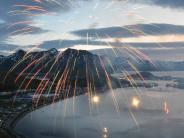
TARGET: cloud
(131,31)
(6,49)
(9,7)
(13,11)
(6,32)
(62,44)
(12,7)
(161,3)
(169,3)
(69,43)
(164,51)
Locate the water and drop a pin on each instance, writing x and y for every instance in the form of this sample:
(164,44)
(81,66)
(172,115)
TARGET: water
(78,120)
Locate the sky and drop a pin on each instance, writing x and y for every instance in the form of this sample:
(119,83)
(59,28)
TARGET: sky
(92,24)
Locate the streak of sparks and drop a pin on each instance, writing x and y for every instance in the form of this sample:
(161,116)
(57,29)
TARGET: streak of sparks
(60,80)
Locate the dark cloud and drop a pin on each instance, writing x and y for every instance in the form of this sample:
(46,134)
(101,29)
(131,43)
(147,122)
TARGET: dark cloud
(131,31)
(6,32)
(9,6)
(10,13)
(157,51)
(161,51)
(70,43)
(162,3)
(169,3)
(164,51)
(6,49)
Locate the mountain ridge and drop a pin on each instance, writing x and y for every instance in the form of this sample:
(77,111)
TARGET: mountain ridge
(76,67)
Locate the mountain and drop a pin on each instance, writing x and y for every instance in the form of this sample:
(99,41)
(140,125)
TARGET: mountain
(120,63)
(23,59)
(68,68)
(120,60)
(170,65)
(6,62)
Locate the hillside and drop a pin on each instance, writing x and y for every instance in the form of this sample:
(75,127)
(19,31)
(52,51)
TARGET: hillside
(70,68)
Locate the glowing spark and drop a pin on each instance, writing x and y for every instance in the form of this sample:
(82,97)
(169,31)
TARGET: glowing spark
(135,102)
(166,108)
(96,99)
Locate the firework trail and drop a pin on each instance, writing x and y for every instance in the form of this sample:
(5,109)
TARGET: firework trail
(60,80)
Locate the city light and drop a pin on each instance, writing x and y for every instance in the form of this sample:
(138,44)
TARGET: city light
(105,136)
(105,130)
(96,99)
(135,102)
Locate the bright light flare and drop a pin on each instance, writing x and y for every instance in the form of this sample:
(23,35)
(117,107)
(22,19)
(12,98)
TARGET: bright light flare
(105,136)
(166,108)
(135,102)
(96,99)
(105,130)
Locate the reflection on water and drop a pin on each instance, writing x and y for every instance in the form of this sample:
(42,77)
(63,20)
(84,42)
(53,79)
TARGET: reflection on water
(102,119)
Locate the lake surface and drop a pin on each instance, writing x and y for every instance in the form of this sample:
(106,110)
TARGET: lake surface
(112,117)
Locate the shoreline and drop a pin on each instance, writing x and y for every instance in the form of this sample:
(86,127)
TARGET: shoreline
(10,124)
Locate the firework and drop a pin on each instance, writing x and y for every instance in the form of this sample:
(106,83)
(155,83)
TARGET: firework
(57,81)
